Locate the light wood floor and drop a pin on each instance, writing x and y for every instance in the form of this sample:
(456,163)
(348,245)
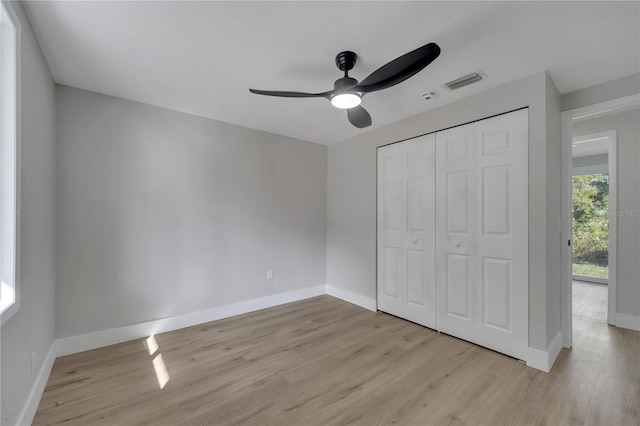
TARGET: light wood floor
(323,361)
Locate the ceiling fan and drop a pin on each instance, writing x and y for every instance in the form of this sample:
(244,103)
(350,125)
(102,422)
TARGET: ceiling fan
(347,92)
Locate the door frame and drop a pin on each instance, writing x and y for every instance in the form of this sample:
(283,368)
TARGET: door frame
(566,123)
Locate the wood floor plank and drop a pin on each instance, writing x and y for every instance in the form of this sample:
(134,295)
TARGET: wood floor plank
(323,361)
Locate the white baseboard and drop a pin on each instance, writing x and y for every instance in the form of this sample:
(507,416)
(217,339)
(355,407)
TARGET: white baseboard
(631,322)
(543,360)
(30,407)
(85,342)
(356,299)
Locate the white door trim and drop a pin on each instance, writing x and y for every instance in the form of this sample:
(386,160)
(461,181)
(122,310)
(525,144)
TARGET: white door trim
(567,118)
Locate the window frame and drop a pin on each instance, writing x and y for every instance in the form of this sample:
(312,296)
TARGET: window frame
(13,81)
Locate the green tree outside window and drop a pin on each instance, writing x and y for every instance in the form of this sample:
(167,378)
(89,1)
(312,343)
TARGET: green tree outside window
(590,197)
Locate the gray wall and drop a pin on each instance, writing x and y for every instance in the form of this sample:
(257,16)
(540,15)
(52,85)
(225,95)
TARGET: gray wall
(625,86)
(351,206)
(628,136)
(161,213)
(32,327)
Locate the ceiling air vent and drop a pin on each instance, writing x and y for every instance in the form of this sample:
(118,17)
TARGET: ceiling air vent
(468,79)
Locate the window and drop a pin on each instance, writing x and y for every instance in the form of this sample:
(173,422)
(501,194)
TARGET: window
(8,165)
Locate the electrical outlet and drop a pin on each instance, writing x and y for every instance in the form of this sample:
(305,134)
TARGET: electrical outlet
(33,363)
(269,274)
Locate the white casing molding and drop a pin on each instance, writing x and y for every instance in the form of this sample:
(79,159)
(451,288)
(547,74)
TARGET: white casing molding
(543,360)
(631,322)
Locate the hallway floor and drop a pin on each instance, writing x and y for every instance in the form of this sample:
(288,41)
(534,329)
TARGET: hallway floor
(590,301)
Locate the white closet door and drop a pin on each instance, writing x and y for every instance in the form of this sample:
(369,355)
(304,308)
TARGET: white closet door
(482,232)
(406,218)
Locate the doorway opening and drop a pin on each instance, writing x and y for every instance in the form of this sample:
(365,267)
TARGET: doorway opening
(581,123)
(590,202)
(590,222)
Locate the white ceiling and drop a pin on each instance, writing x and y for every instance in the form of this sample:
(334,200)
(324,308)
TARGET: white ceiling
(589,147)
(202,57)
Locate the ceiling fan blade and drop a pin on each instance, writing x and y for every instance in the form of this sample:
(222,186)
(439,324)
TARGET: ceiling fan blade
(292,94)
(399,69)
(359,117)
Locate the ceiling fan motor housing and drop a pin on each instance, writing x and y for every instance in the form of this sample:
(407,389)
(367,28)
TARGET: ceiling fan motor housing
(344,83)
(346,60)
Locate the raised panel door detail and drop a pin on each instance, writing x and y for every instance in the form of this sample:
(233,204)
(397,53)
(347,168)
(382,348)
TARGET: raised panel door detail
(390,163)
(414,159)
(495,141)
(482,219)
(415,277)
(391,206)
(458,285)
(415,205)
(391,271)
(457,210)
(496,202)
(496,284)
(457,149)
(405,227)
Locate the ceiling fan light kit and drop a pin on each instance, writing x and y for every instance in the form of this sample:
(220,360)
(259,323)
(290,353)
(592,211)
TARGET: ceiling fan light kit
(348,92)
(346,100)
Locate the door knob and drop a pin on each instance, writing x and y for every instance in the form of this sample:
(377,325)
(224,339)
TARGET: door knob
(458,245)
(415,241)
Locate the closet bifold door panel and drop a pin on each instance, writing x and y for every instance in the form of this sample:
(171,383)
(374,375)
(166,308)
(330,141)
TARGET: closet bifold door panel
(482,233)
(452,232)
(406,239)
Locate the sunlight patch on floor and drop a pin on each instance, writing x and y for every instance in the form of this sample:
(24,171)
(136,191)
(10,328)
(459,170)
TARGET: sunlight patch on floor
(161,371)
(151,344)
(160,368)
